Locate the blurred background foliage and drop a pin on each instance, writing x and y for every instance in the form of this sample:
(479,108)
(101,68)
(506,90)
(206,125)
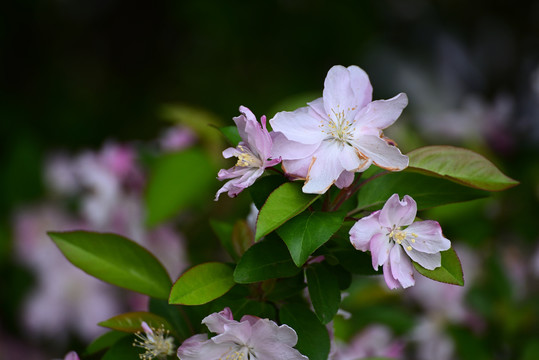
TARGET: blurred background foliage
(77,73)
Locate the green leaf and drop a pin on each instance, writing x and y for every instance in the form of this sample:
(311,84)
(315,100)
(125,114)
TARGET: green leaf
(284,203)
(313,337)
(308,231)
(460,165)
(116,260)
(324,291)
(232,134)
(177,181)
(202,283)
(263,187)
(123,349)
(175,316)
(132,322)
(285,288)
(268,259)
(427,191)
(105,341)
(450,272)
(223,230)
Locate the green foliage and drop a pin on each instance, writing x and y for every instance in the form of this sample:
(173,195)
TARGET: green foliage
(202,283)
(460,165)
(175,315)
(450,272)
(313,337)
(308,231)
(324,291)
(132,322)
(267,259)
(223,230)
(105,341)
(114,259)
(427,191)
(263,187)
(284,203)
(178,180)
(232,134)
(123,349)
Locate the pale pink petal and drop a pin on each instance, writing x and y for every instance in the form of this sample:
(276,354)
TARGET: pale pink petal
(398,212)
(345,179)
(350,159)
(256,134)
(380,114)
(428,261)
(401,267)
(361,85)
(238,184)
(318,107)
(216,322)
(198,347)
(300,125)
(429,237)
(273,342)
(235,332)
(297,169)
(391,282)
(233,172)
(229,152)
(380,248)
(339,98)
(363,230)
(290,150)
(380,152)
(325,170)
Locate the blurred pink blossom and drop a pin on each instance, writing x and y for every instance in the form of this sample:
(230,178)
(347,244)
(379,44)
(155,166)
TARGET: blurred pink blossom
(373,341)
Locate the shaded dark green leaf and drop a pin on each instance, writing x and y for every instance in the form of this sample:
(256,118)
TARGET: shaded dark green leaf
(324,291)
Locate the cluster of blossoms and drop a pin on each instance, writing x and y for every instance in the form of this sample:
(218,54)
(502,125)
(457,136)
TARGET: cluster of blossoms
(326,143)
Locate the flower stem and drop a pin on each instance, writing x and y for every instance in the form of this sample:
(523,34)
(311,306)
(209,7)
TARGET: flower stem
(346,193)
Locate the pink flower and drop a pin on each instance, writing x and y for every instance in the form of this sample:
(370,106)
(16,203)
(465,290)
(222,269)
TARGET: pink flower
(250,338)
(158,344)
(252,154)
(338,134)
(383,234)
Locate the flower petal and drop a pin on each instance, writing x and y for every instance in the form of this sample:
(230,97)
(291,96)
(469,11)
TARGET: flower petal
(429,237)
(340,101)
(397,212)
(345,179)
(351,160)
(380,152)
(364,229)
(236,333)
(216,322)
(325,169)
(428,261)
(380,248)
(291,150)
(361,85)
(380,114)
(297,169)
(273,342)
(198,347)
(300,125)
(391,282)
(401,267)
(257,137)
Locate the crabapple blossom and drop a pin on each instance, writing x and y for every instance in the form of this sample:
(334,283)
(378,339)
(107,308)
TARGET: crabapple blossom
(158,344)
(393,238)
(250,338)
(338,134)
(252,153)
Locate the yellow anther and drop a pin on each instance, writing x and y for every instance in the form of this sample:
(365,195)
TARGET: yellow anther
(414,234)
(409,248)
